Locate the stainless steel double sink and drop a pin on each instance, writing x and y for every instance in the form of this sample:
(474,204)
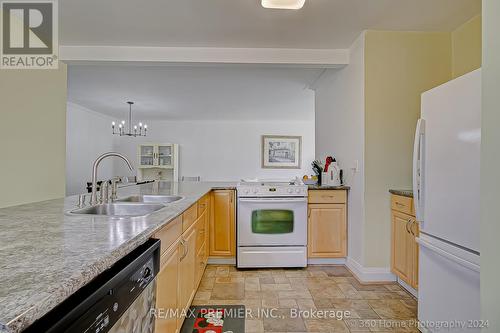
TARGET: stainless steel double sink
(132,206)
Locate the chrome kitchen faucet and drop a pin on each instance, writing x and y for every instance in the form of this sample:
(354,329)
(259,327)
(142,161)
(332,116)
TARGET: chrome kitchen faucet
(93,198)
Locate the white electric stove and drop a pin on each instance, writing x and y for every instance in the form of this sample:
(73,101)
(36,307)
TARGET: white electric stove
(272,224)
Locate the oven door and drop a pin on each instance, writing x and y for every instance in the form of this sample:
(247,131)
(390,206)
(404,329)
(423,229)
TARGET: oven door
(272,221)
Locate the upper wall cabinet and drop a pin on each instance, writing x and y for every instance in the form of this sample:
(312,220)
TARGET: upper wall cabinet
(158,161)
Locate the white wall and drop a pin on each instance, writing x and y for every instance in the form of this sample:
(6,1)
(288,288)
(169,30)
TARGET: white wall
(88,135)
(490,159)
(223,150)
(340,133)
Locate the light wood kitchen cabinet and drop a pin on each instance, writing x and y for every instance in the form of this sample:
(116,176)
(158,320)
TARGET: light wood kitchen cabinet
(201,253)
(183,261)
(404,248)
(222,224)
(327,224)
(167,291)
(414,249)
(187,272)
(327,231)
(401,246)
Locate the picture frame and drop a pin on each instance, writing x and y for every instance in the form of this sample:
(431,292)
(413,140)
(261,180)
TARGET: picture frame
(281,152)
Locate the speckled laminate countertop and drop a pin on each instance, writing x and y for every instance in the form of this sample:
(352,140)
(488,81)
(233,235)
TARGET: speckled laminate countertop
(47,255)
(404,193)
(327,187)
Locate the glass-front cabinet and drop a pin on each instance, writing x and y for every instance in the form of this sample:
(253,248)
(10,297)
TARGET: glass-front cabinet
(165,155)
(156,155)
(146,155)
(158,161)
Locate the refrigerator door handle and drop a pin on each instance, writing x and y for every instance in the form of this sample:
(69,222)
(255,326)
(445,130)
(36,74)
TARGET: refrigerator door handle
(449,256)
(418,169)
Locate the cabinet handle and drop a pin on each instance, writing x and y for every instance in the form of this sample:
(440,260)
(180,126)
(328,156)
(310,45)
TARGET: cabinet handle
(408,222)
(184,250)
(399,204)
(308,213)
(411,227)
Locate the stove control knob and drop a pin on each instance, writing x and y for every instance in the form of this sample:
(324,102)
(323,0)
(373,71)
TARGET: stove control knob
(297,190)
(255,191)
(290,190)
(246,191)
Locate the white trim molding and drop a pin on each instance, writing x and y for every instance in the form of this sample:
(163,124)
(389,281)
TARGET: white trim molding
(408,288)
(370,274)
(321,58)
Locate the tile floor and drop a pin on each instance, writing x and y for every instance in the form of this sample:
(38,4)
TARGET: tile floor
(285,300)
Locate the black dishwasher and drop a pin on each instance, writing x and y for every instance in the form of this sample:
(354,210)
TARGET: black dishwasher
(118,300)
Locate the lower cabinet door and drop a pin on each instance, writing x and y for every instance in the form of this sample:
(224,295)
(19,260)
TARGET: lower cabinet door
(222,224)
(166,292)
(401,256)
(327,234)
(187,271)
(414,253)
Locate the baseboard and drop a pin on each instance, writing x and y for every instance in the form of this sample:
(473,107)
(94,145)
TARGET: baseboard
(370,274)
(326,261)
(408,288)
(221,261)
(363,274)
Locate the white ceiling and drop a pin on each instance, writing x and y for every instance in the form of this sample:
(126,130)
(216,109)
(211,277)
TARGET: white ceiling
(194,93)
(244,23)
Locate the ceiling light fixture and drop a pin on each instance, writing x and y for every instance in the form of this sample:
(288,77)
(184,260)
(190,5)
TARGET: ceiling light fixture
(138,130)
(283,4)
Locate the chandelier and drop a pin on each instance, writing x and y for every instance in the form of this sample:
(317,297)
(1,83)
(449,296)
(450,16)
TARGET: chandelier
(136,130)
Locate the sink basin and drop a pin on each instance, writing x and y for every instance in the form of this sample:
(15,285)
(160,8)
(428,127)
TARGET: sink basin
(151,198)
(119,209)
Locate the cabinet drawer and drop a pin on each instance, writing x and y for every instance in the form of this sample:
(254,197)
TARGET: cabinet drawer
(402,204)
(169,233)
(189,217)
(203,204)
(328,196)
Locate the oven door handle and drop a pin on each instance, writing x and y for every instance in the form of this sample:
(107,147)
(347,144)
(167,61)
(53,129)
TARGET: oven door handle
(272,200)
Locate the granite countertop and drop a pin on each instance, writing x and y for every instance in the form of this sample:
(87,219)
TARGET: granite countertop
(47,255)
(328,187)
(404,193)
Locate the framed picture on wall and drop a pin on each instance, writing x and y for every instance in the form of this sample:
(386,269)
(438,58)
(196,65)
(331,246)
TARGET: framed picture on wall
(281,152)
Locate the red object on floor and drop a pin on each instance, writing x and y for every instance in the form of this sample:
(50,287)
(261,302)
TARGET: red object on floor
(201,324)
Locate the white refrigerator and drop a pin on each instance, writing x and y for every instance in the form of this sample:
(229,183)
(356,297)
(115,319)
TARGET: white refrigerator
(446,195)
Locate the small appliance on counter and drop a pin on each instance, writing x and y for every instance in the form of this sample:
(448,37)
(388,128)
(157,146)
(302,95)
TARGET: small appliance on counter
(327,174)
(331,173)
